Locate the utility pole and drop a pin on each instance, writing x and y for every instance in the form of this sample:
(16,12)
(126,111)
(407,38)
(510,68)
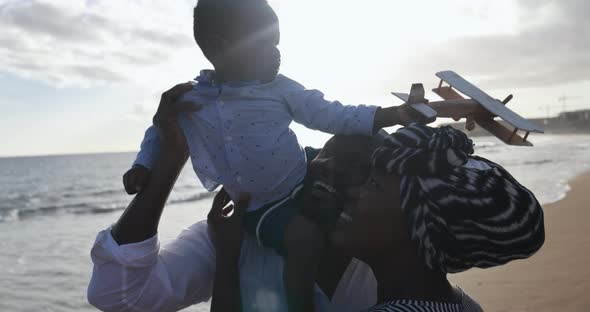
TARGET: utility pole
(547,110)
(563,100)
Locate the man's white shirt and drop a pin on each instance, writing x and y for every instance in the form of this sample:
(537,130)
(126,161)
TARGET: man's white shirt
(147,276)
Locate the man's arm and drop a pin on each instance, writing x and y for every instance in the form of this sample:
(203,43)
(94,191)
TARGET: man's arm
(141,218)
(227,236)
(131,271)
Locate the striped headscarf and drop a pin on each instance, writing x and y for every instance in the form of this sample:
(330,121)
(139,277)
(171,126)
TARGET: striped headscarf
(459,217)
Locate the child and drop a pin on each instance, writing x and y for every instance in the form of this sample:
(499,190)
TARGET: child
(240,136)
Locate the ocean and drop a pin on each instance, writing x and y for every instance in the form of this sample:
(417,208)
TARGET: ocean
(51,208)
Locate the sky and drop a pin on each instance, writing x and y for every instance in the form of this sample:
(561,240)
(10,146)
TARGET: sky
(86,76)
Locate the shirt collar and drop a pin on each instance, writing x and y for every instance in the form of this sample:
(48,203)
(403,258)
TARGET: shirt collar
(207,76)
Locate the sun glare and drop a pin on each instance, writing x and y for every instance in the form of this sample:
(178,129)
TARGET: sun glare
(331,43)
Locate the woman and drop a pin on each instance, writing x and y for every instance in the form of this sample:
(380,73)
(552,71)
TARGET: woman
(429,209)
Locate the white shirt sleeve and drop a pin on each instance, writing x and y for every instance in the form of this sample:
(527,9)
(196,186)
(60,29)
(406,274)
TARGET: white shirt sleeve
(357,289)
(150,149)
(309,108)
(145,277)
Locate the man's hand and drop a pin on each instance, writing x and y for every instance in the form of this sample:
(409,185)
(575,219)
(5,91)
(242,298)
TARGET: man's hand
(135,179)
(226,230)
(141,218)
(165,119)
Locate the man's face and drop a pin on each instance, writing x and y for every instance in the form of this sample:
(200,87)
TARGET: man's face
(343,162)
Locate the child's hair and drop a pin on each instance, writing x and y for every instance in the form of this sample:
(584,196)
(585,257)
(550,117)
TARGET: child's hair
(228,17)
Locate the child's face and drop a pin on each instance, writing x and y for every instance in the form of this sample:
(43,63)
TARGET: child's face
(250,52)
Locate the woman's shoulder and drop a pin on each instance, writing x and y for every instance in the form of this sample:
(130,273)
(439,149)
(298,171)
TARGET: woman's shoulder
(469,305)
(464,304)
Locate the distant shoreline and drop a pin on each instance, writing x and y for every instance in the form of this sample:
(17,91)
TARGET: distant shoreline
(567,123)
(65,155)
(478,132)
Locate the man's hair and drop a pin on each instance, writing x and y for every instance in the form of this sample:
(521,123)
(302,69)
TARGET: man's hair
(227,17)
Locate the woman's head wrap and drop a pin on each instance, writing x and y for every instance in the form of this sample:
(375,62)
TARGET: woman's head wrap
(460,217)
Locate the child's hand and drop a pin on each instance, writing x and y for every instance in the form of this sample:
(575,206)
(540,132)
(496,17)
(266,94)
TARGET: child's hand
(406,114)
(135,179)
(399,115)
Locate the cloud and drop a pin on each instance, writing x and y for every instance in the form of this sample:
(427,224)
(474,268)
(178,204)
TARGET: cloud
(45,19)
(72,43)
(550,47)
(145,110)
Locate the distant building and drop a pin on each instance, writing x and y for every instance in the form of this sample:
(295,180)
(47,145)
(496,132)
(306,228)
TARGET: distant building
(579,115)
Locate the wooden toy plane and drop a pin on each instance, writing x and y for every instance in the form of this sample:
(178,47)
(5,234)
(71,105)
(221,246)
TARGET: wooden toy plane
(479,109)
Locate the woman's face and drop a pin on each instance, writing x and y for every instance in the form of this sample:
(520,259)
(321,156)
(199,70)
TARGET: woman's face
(372,221)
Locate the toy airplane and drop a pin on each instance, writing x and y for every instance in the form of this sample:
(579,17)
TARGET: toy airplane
(479,109)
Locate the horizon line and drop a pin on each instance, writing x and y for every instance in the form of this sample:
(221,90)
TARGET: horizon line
(66,154)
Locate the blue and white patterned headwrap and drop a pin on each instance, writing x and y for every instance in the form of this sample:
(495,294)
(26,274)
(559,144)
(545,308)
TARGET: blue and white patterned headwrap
(459,217)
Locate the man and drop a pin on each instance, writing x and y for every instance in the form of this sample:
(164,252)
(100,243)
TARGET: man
(132,272)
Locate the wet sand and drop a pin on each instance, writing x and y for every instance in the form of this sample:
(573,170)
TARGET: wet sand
(557,278)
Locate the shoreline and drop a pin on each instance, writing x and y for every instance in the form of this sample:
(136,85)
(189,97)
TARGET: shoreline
(557,277)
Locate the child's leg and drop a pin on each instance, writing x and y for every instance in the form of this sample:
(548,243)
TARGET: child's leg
(304,244)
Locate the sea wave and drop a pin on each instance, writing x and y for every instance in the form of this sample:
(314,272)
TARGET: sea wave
(196,197)
(18,214)
(536,162)
(486,145)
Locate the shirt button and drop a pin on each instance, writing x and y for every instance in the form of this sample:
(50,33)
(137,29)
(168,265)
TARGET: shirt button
(238,179)
(221,103)
(228,138)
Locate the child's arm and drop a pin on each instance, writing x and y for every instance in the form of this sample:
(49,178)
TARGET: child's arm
(149,150)
(135,178)
(309,108)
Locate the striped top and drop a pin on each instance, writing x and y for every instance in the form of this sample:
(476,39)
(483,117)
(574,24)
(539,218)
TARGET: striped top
(466,305)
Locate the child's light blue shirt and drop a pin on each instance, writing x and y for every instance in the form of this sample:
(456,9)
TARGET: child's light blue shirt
(240,138)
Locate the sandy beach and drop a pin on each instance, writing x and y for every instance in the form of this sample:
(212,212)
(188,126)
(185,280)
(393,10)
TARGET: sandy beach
(557,278)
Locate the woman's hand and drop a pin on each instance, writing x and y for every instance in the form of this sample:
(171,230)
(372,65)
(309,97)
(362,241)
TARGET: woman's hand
(165,119)
(225,229)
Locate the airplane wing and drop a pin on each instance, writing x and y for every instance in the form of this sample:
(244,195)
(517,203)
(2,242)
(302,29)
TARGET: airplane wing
(494,106)
(501,132)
